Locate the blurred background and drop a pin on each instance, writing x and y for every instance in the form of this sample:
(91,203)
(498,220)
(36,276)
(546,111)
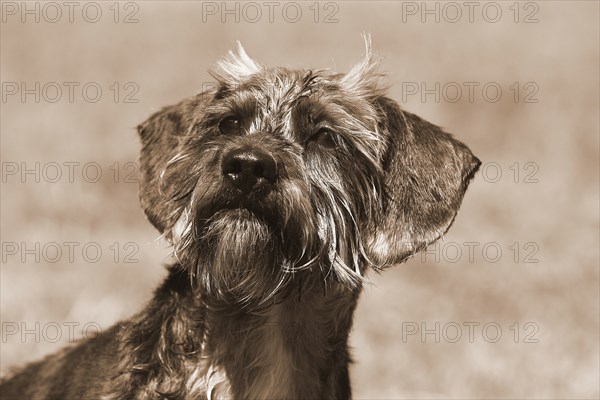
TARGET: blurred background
(506,306)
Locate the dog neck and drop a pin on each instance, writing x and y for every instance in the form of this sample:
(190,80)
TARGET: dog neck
(294,348)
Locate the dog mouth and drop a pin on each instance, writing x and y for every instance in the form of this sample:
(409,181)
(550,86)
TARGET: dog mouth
(257,207)
(230,215)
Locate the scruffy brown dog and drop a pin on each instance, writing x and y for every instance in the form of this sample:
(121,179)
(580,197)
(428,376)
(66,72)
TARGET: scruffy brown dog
(278,189)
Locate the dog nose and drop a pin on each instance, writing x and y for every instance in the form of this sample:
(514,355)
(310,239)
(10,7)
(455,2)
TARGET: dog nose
(249,168)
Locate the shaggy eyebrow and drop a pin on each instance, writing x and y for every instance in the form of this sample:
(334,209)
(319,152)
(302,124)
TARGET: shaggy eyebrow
(242,103)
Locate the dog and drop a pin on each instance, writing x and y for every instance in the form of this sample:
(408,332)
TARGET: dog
(278,189)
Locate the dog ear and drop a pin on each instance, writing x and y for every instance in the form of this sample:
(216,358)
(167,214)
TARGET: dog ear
(161,136)
(426,174)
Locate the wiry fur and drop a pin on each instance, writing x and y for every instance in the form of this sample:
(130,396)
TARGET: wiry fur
(258,303)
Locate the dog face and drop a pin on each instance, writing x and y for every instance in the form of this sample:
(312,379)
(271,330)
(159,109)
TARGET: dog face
(280,175)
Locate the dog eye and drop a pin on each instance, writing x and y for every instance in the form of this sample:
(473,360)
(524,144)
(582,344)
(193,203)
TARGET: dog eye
(324,137)
(230,126)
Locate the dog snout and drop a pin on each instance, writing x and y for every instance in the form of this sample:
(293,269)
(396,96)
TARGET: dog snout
(249,169)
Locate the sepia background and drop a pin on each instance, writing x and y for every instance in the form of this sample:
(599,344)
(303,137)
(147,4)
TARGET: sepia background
(506,306)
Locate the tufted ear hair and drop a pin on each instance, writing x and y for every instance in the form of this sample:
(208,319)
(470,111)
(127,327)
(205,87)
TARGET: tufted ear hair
(236,66)
(426,174)
(162,136)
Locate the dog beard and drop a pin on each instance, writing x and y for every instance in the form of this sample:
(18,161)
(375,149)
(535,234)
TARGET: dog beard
(240,258)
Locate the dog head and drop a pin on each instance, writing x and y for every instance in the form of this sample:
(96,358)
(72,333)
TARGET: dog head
(277,175)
